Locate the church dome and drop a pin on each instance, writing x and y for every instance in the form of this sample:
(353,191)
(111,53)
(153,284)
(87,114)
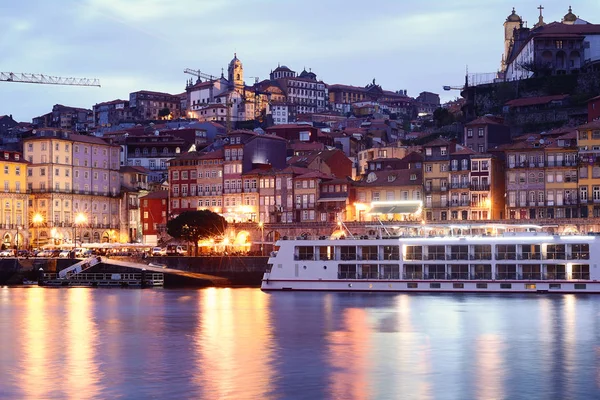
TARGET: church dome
(513,17)
(570,17)
(235,60)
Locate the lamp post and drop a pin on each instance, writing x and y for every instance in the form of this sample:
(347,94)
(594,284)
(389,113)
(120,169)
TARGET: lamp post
(38,219)
(80,219)
(261,225)
(17,239)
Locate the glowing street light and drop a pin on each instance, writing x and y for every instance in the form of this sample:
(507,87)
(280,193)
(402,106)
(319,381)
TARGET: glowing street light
(261,225)
(80,219)
(38,219)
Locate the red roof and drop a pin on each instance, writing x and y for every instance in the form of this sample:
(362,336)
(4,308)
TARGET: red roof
(486,120)
(532,101)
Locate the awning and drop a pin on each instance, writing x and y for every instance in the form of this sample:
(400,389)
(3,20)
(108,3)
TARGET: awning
(331,199)
(395,209)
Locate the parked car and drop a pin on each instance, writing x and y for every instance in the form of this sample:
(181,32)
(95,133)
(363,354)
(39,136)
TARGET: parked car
(175,250)
(43,253)
(7,253)
(158,251)
(23,253)
(64,254)
(83,253)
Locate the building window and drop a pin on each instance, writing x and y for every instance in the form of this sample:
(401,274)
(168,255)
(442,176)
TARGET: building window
(469,133)
(480,132)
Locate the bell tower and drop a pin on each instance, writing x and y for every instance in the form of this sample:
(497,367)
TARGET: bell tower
(513,21)
(235,72)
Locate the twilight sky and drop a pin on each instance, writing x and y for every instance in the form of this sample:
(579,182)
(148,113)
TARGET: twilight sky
(145,44)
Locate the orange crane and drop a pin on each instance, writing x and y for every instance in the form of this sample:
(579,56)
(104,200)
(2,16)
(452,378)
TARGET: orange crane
(46,79)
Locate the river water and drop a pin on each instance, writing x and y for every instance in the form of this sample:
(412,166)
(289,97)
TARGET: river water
(245,344)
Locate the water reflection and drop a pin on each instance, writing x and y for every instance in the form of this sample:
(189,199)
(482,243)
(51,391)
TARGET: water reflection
(245,344)
(233,343)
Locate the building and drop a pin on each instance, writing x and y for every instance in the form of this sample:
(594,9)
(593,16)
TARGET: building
(154,208)
(330,162)
(148,105)
(484,133)
(14,211)
(303,93)
(389,195)
(594,109)
(7,123)
(341,97)
(435,179)
(280,112)
(367,155)
(588,149)
(75,186)
(112,113)
(300,132)
(134,185)
(66,117)
(557,48)
(541,177)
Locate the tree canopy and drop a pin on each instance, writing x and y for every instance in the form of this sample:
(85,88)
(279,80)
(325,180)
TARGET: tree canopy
(193,226)
(164,112)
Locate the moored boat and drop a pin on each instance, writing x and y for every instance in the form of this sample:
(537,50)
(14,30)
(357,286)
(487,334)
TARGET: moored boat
(535,262)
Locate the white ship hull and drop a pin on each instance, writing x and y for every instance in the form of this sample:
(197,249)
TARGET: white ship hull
(516,263)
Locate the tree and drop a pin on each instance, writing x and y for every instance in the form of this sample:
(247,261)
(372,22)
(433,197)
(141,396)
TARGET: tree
(164,112)
(442,117)
(193,226)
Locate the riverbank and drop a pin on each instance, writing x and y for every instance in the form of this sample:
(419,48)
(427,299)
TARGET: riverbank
(239,271)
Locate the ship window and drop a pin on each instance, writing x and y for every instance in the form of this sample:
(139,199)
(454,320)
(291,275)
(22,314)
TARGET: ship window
(505,286)
(369,252)
(435,285)
(580,251)
(459,252)
(414,271)
(390,271)
(530,251)
(506,271)
(412,285)
(482,286)
(531,271)
(530,286)
(555,252)
(580,286)
(555,286)
(305,253)
(347,271)
(348,252)
(368,271)
(436,253)
(482,252)
(555,271)
(414,253)
(482,271)
(458,271)
(581,271)
(506,252)
(458,285)
(325,253)
(436,271)
(391,253)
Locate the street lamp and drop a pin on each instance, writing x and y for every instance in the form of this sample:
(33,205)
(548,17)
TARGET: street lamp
(261,225)
(80,219)
(38,219)
(17,239)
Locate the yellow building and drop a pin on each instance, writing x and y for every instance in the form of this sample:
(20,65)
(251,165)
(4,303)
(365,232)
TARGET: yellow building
(435,179)
(14,219)
(588,148)
(561,176)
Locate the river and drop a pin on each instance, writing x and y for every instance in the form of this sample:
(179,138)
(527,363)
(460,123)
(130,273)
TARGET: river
(244,344)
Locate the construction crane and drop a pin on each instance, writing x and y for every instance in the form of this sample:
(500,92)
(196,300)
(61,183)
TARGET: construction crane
(46,79)
(199,74)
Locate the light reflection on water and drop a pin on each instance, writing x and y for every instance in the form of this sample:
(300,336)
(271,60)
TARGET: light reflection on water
(245,344)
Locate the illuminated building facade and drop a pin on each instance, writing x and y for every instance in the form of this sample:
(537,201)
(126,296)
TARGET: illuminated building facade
(14,218)
(588,148)
(68,175)
(154,208)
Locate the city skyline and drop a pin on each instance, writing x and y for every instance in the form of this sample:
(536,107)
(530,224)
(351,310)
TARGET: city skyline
(135,46)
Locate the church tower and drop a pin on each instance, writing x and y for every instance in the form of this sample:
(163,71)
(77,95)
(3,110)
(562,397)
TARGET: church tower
(513,21)
(235,72)
(569,18)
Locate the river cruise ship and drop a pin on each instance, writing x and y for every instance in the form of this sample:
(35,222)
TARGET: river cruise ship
(512,262)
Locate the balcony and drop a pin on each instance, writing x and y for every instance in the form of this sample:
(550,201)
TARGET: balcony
(480,187)
(463,185)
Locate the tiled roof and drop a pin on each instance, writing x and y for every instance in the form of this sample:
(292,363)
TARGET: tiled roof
(590,125)
(438,142)
(399,177)
(134,168)
(212,155)
(485,120)
(159,194)
(532,101)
